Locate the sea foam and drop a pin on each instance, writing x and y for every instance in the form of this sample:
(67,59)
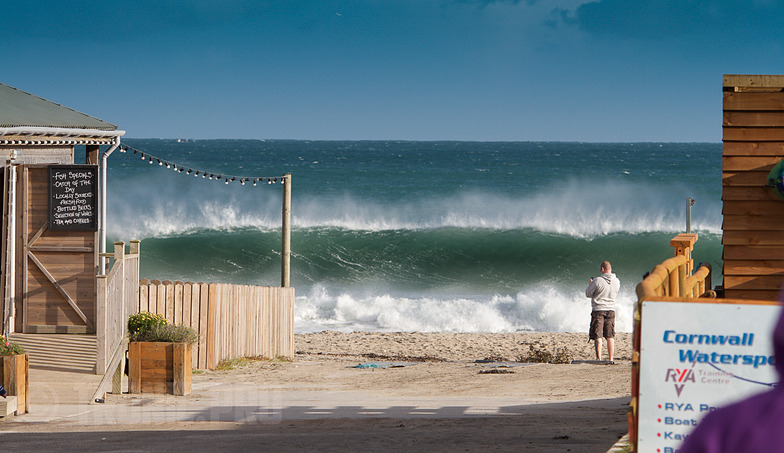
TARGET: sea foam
(541,308)
(577,208)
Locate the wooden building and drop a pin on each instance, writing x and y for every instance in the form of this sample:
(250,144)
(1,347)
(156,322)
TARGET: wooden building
(48,273)
(753,135)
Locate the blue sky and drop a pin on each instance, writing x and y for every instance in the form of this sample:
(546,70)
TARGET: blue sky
(553,70)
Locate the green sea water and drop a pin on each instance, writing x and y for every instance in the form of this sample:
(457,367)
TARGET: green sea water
(418,236)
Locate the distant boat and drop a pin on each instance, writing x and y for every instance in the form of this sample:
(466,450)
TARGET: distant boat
(183,140)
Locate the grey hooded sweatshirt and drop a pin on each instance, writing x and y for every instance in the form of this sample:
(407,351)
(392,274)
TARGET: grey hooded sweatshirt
(602,291)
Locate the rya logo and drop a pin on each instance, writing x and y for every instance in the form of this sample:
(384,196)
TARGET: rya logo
(679,377)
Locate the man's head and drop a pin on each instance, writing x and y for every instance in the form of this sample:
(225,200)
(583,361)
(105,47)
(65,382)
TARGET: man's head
(606,267)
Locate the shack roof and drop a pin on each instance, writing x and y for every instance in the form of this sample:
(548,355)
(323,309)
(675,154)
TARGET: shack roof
(22,109)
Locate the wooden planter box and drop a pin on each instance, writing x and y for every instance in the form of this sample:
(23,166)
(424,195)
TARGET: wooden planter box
(159,367)
(13,376)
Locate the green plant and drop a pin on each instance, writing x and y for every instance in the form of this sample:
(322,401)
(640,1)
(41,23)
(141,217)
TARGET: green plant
(146,326)
(9,347)
(230,364)
(237,362)
(168,333)
(143,321)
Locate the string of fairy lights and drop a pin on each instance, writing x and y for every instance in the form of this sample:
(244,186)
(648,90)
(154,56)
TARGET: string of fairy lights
(227,179)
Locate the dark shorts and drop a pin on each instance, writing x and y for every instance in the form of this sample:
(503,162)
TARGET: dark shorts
(602,324)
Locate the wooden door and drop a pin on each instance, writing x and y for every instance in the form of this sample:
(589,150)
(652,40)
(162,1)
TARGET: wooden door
(56,281)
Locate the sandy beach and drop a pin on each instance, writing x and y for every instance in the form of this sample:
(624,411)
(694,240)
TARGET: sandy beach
(377,391)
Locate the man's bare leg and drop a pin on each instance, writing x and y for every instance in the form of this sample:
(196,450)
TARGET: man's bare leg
(598,346)
(611,348)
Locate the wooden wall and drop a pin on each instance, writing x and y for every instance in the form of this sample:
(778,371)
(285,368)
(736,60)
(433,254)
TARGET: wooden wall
(753,136)
(232,320)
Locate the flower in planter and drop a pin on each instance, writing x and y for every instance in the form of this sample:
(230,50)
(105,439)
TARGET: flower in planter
(144,320)
(145,326)
(9,347)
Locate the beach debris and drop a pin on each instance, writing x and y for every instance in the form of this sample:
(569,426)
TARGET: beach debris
(540,354)
(503,364)
(593,362)
(393,357)
(374,365)
(493,358)
(368,365)
(404,358)
(496,371)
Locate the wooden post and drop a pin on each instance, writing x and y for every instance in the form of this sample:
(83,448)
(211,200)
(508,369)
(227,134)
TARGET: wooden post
(101,324)
(285,256)
(120,369)
(135,373)
(683,272)
(15,379)
(684,244)
(182,369)
(674,284)
(135,249)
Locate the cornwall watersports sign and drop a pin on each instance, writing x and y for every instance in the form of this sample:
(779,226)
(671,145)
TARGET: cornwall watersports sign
(73,197)
(695,358)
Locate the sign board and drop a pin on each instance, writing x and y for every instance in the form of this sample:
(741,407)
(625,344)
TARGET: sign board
(73,197)
(695,358)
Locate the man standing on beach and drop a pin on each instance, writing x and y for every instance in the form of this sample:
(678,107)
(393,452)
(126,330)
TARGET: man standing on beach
(602,290)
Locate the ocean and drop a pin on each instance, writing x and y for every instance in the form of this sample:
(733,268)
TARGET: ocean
(435,236)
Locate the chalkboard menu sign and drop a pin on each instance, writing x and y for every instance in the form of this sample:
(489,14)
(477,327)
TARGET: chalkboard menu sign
(73,197)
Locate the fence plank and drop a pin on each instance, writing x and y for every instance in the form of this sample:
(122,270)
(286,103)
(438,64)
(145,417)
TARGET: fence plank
(203,325)
(169,301)
(178,305)
(144,294)
(265,328)
(152,301)
(160,307)
(209,333)
(185,303)
(193,303)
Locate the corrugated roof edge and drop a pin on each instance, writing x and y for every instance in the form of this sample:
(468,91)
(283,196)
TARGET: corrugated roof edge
(112,128)
(107,125)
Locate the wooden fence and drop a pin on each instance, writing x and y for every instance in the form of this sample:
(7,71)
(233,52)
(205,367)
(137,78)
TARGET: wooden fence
(232,320)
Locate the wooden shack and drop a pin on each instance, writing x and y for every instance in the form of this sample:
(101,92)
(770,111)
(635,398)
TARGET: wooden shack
(753,226)
(49,267)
